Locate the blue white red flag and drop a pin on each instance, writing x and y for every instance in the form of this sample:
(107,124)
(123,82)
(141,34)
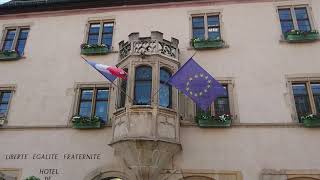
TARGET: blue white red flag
(197,83)
(109,72)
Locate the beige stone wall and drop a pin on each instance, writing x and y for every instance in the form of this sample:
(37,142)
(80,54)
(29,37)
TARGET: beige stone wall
(256,60)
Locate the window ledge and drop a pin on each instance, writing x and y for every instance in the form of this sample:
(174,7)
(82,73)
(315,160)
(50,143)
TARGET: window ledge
(141,106)
(298,42)
(206,49)
(250,125)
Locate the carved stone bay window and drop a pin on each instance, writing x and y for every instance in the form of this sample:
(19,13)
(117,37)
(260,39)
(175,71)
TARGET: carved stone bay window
(146,123)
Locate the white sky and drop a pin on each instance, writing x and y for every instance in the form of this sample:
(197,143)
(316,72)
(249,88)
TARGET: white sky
(3,1)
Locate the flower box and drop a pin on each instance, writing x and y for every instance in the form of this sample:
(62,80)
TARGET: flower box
(311,121)
(205,120)
(32,178)
(206,44)
(79,122)
(9,55)
(94,49)
(299,36)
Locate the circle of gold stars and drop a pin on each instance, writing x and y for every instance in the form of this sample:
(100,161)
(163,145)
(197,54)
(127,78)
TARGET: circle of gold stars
(203,91)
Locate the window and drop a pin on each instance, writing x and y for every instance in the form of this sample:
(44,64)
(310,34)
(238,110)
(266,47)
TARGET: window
(294,18)
(165,92)
(306,97)
(15,39)
(94,102)
(100,33)
(220,106)
(5,97)
(123,86)
(206,26)
(143,85)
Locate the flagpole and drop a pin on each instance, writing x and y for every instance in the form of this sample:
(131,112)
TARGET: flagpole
(132,100)
(151,98)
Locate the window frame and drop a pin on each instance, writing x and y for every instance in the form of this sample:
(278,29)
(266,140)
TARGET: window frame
(170,89)
(12,89)
(16,36)
(212,106)
(95,87)
(307,81)
(293,15)
(151,83)
(101,22)
(205,14)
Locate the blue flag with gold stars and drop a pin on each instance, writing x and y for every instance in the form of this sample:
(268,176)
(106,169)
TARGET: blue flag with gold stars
(197,83)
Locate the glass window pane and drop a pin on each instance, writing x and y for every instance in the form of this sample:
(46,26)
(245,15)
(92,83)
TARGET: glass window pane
(221,106)
(213,21)
(198,33)
(23,33)
(3,108)
(198,29)
(86,94)
(165,89)
(316,95)
(142,92)
(285,14)
(85,109)
(7,45)
(301,99)
(165,96)
(197,22)
(302,19)
(94,29)
(102,94)
(20,46)
(5,97)
(93,39)
(101,110)
(107,27)
(143,73)
(107,39)
(304,25)
(214,35)
(10,34)
(286,20)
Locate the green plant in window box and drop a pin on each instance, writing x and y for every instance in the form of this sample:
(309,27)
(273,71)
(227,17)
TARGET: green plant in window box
(302,36)
(81,122)
(206,120)
(7,55)
(198,43)
(94,49)
(311,120)
(32,178)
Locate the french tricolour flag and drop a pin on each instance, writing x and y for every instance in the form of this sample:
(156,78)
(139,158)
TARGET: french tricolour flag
(109,72)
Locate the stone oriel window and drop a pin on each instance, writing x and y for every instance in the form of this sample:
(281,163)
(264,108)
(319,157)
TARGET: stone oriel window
(295,18)
(306,96)
(143,85)
(100,32)
(165,92)
(15,38)
(206,26)
(93,100)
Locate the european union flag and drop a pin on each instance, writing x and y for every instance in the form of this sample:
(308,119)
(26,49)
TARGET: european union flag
(197,83)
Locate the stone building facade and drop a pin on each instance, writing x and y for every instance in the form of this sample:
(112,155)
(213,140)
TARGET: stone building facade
(61,120)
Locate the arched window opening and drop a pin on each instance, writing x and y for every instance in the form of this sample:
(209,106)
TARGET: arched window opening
(143,85)
(165,93)
(123,86)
